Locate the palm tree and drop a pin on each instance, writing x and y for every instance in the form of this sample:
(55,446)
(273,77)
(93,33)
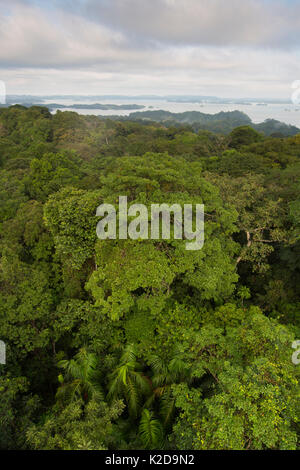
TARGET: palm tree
(164,376)
(150,430)
(127,381)
(81,377)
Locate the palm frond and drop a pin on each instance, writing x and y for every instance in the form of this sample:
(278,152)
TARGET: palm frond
(129,354)
(167,407)
(133,398)
(150,430)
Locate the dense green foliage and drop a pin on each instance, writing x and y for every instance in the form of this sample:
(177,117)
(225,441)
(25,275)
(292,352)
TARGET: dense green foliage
(123,344)
(222,122)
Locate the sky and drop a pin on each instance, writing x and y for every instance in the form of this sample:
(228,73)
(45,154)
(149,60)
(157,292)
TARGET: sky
(225,48)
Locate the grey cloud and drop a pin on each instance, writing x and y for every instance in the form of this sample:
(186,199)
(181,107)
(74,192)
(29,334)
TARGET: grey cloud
(150,45)
(29,37)
(273,23)
(140,34)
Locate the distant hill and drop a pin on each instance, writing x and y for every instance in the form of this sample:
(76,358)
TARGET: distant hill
(94,106)
(273,127)
(223,122)
(100,106)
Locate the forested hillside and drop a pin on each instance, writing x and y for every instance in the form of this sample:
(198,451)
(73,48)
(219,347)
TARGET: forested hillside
(123,344)
(223,122)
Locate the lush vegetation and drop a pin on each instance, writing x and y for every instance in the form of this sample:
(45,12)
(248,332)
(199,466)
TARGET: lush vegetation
(123,344)
(223,122)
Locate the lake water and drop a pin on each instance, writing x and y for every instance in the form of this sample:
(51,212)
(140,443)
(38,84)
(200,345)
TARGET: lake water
(288,113)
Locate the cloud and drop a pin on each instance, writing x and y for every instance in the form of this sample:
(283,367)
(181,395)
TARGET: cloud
(232,48)
(31,38)
(273,23)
